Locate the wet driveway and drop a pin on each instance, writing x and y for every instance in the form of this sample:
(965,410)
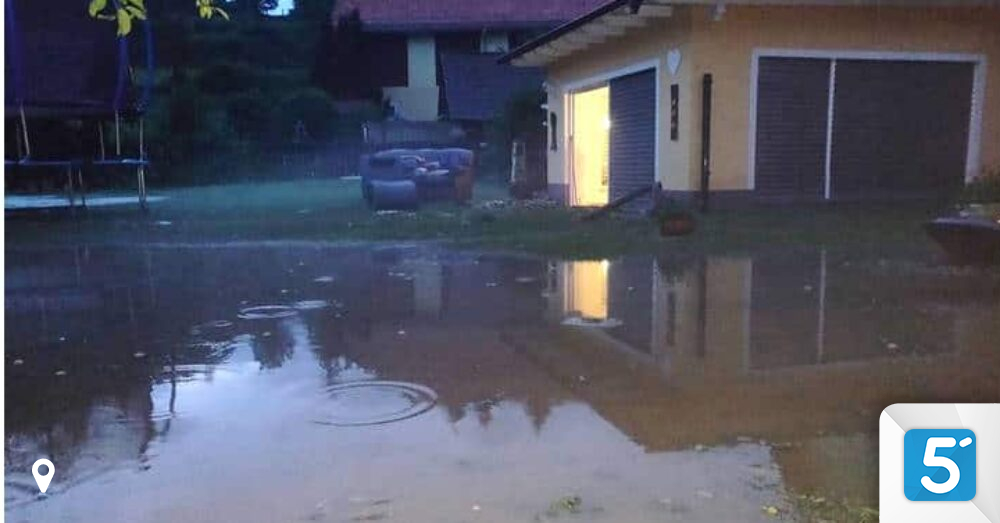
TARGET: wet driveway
(308,382)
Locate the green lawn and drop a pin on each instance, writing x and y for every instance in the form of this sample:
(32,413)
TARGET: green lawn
(333,210)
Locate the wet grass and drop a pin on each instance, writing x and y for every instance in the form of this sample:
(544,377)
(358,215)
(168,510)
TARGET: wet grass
(333,210)
(817,509)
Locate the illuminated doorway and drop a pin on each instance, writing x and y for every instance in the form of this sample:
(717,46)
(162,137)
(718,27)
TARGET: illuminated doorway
(590,132)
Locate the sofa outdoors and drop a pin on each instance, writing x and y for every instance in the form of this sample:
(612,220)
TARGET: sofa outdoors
(404,178)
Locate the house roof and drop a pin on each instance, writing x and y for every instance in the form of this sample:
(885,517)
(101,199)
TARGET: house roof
(455,15)
(476,87)
(614,17)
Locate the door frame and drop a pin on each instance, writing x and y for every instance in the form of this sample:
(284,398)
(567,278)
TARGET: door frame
(974,145)
(605,78)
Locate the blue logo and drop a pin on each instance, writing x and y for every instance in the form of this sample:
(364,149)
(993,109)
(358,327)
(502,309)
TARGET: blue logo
(939,465)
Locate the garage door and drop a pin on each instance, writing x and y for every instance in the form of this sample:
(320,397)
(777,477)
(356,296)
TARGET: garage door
(633,135)
(792,101)
(899,128)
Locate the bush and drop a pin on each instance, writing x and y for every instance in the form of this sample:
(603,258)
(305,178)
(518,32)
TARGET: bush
(311,106)
(251,113)
(984,189)
(225,78)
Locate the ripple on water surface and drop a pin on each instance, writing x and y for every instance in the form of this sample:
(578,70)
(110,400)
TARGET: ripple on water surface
(363,403)
(267,312)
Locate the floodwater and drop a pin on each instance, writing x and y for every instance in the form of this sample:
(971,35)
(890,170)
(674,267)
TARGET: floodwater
(308,382)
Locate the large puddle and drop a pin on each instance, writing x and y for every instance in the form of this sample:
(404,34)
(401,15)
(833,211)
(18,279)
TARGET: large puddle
(318,383)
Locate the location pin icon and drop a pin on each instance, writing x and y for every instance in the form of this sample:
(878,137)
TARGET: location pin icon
(43,480)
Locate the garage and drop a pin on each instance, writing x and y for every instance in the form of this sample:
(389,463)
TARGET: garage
(613,137)
(857,128)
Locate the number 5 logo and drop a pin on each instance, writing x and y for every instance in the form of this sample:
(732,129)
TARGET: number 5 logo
(939,465)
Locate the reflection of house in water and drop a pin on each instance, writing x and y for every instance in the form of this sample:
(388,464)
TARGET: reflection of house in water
(775,347)
(761,313)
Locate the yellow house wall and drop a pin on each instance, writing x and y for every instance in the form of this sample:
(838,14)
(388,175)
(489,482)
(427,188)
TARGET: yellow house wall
(646,44)
(725,49)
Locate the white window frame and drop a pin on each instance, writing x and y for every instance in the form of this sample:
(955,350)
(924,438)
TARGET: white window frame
(973,152)
(598,80)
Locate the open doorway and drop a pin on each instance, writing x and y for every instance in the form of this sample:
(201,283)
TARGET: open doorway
(591,123)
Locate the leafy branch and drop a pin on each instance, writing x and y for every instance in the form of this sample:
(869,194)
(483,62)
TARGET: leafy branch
(124,12)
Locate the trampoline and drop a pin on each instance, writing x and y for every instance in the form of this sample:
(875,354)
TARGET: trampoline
(64,66)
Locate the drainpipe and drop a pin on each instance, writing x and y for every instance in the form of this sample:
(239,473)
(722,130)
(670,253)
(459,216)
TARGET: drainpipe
(706,138)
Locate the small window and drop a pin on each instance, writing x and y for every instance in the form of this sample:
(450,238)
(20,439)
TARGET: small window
(553,133)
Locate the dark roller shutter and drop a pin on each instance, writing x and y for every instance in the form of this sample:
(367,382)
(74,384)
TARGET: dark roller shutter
(792,108)
(633,135)
(900,128)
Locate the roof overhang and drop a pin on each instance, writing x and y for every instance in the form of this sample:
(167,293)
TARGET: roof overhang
(619,16)
(610,20)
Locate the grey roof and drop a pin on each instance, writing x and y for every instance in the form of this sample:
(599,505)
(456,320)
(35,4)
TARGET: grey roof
(476,87)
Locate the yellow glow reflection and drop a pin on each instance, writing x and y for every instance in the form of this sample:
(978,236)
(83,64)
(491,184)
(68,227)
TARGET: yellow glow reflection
(586,289)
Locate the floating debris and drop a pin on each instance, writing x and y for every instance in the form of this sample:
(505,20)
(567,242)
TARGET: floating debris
(164,223)
(771,510)
(18,362)
(704,494)
(606,323)
(565,504)
(372,515)
(60,372)
(526,279)
(491,284)
(324,279)
(139,354)
(310,305)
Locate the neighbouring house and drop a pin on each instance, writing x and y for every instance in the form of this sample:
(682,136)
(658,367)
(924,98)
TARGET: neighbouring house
(771,100)
(436,59)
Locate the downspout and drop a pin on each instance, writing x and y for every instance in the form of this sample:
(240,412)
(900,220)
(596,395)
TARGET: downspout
(706,138)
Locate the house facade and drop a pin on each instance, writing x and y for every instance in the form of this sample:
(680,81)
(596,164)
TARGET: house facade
(430,52)
(804,100)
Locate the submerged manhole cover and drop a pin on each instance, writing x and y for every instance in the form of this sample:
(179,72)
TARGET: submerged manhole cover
(363,403)
(267,312)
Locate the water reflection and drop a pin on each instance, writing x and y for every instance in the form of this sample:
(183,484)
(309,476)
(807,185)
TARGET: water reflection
(772,367)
